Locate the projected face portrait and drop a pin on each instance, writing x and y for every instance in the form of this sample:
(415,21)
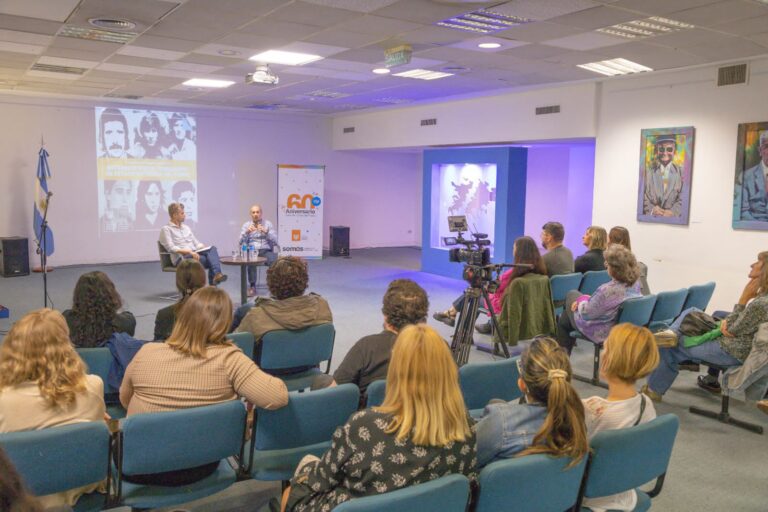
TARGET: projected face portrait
(184,193)
(118,194)
(178,126)
(114,133)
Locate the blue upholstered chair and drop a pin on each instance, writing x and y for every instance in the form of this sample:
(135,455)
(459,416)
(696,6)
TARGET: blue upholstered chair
(173,440)
(627,458)
(637,311)
(592,280)
(530,484)
(98,360)
(699,296)
(244,341)
(305,426)
(290,349)
(481,382)
(668,306)
(376,391)
(447,494)
(61,458)
(562,284)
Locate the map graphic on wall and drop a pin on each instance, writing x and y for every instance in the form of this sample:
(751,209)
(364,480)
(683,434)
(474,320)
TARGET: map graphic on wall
(467,189)
(666,163)
(750,198)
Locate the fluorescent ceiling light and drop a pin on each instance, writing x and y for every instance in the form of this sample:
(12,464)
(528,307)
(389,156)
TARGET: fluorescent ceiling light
(423,74)
(484,21)
(489,45)
(615,67)
(381,71)
(287,58)
(647,27)
(207,82)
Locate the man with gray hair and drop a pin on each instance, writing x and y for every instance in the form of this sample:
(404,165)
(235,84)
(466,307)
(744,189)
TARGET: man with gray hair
(259,235)
(754,185)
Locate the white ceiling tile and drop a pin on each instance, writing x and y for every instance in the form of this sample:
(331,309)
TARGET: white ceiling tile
(433,35)
(353,5)
(330,73)
(732,48)
(123,68)
(587,41)
(540,10)
(241,52)
(660,7)
(166,43)
(150,53)
(41,9)
(144,13)
(21,48)
(310,14)
(33,25)
(14,36)
(378,25)
(533,51)
(136,61)
(428,11)
(74,63)
(169,72)
(721,12)
(597,17)
(322,50)
(194,68)
(48,74)
(538,32)
(265,27)
(342,38)
(98,47)
(746,27)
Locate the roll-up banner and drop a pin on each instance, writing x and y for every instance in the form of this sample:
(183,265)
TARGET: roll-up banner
(300,215)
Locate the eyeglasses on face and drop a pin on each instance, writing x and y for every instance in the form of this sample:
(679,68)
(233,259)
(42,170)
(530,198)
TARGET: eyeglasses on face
(665,149)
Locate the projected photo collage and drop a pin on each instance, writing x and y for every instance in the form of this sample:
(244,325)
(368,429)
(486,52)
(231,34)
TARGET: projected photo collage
(146,159)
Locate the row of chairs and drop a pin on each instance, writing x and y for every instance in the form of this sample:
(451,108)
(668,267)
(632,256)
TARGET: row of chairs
(540,482)
(60,458)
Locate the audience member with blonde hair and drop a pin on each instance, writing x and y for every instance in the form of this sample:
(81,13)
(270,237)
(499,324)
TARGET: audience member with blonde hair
(596,240)
(552,410)
(95,313)
(43,384)
(196,366)
(190,276)
(419,433)
(629,354)
(595,315)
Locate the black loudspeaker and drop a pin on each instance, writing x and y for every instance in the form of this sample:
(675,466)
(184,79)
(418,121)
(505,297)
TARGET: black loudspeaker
(339,241)
(14,256)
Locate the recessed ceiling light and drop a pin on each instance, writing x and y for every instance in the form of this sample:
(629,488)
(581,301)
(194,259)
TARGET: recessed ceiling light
(423,74)
(615,67)
(228,53)
(381,71)
(287,58)
(489,45)
(208,82)
(112,23)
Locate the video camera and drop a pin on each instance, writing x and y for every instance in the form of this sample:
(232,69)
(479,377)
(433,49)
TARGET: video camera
(475,252)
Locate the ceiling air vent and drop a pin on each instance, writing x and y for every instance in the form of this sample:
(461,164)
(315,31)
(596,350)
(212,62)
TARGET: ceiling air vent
(732,75)
(349,129)
(124,96)
(112,23)
(94,34)
(551,109)
(428,122)
(48,68)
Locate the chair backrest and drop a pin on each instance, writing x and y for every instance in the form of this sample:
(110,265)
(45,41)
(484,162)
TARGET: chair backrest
(98,360)
(627,458)
(303,347)
(309,418)
(244,341)
(531,483)
(375,392)
(637,310)
(481,382)
(447,494)
(563,283)
(165,259)
(166,441)
(592,280)
(668,305)
(699,296)
(57,459)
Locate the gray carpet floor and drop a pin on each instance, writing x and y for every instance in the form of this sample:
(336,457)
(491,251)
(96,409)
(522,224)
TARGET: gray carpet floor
(713,466)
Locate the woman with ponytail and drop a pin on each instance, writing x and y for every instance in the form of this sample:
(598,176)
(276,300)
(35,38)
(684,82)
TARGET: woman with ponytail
(190,276)
(551,420)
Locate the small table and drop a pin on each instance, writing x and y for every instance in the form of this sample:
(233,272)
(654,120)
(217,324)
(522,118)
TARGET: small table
(243,264)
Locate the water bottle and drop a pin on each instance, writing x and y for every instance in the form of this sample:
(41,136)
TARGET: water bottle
(243,251)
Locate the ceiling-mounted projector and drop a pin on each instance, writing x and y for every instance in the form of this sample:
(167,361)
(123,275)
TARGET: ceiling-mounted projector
(262,75)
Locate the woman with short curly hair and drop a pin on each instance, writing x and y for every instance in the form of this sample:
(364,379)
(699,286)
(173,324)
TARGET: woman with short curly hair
(43,383)
(594,316)
(95,314)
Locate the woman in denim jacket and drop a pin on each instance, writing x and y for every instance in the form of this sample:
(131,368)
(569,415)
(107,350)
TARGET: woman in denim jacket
(552,419)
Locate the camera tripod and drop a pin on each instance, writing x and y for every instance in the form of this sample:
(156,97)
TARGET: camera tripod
(465,323)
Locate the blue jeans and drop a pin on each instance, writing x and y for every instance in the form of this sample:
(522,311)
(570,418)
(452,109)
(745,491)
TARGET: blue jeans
(210,259)
(710,352)
(271,258)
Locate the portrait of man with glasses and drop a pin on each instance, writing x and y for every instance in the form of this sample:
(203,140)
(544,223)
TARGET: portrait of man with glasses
(662,195)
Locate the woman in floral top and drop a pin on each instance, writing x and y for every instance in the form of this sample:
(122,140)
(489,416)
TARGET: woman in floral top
(421,432)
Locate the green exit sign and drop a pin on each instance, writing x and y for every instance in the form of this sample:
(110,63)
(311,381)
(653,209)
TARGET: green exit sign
(398,56)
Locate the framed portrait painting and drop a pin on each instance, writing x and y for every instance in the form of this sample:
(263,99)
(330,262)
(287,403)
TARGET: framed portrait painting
(750,198)
(666,164)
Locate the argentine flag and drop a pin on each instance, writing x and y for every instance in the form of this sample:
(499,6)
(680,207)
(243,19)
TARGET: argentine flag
(41,200)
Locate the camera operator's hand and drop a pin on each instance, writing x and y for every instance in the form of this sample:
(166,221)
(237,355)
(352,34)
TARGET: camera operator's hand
(574,306)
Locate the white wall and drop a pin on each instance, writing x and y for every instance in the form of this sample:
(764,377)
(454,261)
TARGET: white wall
(375,193)
(708,248)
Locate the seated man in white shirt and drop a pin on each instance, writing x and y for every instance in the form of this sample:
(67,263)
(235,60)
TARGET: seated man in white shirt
(181,243)
(258,234)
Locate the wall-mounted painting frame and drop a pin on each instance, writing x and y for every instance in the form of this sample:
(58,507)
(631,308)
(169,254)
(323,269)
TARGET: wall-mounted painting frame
(750,199)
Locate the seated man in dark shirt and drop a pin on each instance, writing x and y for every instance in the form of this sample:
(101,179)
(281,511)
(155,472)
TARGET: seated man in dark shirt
(405,303)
